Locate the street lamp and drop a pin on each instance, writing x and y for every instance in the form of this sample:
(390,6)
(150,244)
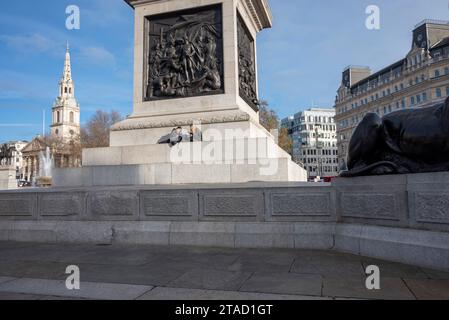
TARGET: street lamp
(319,147)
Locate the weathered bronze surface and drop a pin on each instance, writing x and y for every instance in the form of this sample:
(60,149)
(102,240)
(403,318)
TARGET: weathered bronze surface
(405,141)
(6,154)
(247,65)
(185,55)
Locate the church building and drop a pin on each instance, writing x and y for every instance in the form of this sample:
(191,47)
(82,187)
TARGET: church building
(66,110)
(64,138)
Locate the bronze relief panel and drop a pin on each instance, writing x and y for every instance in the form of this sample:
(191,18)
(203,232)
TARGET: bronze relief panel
(185,54)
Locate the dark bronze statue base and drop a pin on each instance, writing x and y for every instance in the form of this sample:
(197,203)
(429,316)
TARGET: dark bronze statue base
(405,141)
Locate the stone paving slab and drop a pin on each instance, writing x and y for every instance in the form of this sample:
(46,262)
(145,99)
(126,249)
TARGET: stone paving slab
(429,289)
(5,279)
(211,279)
(395,270)
(253,261)
(328,265)
(161,293)
(159,272)
(354,287)
(33,269)
(152,275)
(19,296)
(284,283)
(436,274)
(89,290)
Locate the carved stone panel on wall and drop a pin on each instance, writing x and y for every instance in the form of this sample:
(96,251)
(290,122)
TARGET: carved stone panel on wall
(247,65)
(185,54)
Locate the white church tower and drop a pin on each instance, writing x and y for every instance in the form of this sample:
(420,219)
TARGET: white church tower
(66,111)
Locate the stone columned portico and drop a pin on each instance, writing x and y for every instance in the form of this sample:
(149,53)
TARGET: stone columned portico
(195,64)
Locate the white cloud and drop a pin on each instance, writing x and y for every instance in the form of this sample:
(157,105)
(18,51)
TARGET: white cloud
(30,43)
(98,56)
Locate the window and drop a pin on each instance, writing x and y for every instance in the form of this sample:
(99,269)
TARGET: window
(438,92)
(72,117)
(424,95)
(418,98)
(412,101)
(437,73)
(65,90)
(446,71)
(447,91)
(58,117)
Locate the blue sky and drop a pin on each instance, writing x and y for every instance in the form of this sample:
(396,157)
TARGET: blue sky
(300,58)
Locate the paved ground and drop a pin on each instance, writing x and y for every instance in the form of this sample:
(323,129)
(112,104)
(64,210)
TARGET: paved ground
(37,271)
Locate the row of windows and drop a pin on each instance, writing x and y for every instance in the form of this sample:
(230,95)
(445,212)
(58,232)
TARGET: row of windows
(311,127)
(313,152)
(413,101)
(311,119)
(326,169)
(437,72)
(397,88)
(315,160)
(324,144)
(385,78)
(305,135)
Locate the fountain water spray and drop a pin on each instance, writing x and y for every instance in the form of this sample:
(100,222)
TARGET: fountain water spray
(45,168)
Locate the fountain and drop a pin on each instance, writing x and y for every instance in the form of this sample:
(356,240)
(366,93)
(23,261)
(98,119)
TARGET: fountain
(45,169)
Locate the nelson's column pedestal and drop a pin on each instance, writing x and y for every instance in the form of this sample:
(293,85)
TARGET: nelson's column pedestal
(195,63)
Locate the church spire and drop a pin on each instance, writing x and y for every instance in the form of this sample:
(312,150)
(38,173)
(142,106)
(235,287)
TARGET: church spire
(65,111)
(67,65)
(66,85)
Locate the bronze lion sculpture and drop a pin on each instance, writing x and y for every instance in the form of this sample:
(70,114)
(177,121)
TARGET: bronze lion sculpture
(405,141)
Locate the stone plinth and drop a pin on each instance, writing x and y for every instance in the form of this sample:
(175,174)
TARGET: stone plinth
(214,89)
(222,161)
(7,178)
(403,218)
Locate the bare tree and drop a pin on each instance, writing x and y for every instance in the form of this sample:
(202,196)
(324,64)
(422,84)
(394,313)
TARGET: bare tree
(95,134)
(270,121)
(268,117)
(285,141)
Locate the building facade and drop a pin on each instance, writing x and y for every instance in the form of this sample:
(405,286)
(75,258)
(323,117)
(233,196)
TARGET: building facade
(313,132)
(418,80)
(64,138)
(18,156)
(14,156)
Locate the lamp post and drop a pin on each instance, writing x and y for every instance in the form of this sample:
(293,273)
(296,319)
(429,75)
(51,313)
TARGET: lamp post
(318,151)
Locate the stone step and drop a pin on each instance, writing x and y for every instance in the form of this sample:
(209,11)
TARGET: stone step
(218,152)
(264,169)
(215,131)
